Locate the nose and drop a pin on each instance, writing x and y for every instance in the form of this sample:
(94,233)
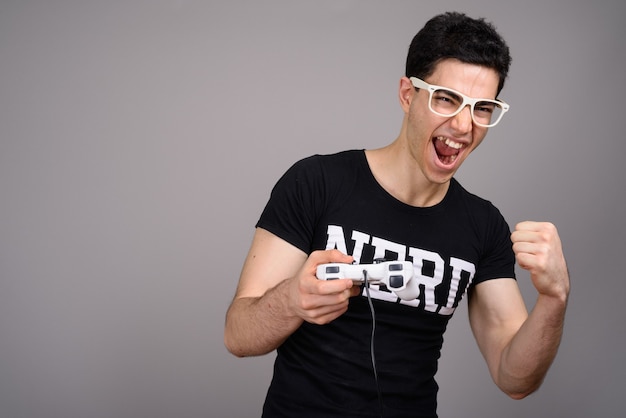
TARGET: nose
(462,121)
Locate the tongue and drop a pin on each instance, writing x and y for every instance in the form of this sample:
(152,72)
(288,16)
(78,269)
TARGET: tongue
(444,150)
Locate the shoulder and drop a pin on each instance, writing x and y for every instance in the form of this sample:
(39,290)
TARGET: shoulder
(325,168)
(472,203)
(483,217)
(304,193)
(334,161)
(458,190)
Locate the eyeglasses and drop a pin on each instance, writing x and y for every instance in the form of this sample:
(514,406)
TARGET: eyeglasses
(447,102)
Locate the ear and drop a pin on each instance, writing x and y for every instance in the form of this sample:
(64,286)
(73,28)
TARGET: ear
(406,91)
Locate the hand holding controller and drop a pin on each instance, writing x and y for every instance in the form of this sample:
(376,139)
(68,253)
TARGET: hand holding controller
(396,275)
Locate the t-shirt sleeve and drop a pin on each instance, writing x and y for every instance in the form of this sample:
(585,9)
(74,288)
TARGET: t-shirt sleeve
(499,260)
(294,203)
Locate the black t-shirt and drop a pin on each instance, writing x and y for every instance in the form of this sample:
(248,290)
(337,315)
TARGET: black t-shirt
(334,201)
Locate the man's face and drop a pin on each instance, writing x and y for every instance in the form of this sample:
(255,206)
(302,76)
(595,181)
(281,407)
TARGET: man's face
(440,144)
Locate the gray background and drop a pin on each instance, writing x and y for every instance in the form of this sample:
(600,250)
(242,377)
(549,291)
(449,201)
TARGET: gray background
(139,141)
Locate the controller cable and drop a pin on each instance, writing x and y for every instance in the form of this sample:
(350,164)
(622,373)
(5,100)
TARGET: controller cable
(369,300)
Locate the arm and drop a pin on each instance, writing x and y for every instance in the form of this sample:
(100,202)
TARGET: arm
(277,291)
(520,347)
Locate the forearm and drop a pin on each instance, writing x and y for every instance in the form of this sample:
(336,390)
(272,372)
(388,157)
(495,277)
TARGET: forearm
(258,325)
(527,358)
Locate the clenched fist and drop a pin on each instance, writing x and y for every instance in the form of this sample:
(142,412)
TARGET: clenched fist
(538,250)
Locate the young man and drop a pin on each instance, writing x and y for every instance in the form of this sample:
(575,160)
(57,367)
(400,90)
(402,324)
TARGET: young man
(400,202)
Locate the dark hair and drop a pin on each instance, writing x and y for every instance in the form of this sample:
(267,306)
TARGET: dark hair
(455,35)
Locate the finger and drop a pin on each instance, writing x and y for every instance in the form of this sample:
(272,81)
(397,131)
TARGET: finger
(325,286)
(522,236)
(527,246)
(541,236)
(325,316)
(526,234)
(526,261)
(532,226)
(317,304)
(329,256)
(310,284)
(329,287)
(355,290)
(532,257)
(543,229)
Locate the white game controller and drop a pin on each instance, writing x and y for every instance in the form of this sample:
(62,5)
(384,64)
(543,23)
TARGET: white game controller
(395,275)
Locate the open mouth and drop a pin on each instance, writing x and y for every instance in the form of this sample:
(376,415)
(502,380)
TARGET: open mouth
(447,150)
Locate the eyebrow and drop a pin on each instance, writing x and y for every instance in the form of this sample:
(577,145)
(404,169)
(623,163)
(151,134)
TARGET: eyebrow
(456,95)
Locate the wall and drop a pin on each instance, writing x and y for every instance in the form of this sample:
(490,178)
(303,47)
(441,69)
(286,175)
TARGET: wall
(139,141)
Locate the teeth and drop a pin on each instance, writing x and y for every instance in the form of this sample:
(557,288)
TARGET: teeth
(449,142)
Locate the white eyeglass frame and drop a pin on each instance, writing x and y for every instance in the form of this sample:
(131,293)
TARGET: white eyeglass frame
(421,84)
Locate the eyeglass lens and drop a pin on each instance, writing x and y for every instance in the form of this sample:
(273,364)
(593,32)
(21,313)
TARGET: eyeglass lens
(447,102)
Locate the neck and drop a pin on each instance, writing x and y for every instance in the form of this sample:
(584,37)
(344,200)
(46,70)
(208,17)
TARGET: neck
(398,173)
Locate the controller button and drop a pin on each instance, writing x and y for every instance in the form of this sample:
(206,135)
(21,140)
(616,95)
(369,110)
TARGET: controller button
(396,282)
(395,267)
(332,269)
